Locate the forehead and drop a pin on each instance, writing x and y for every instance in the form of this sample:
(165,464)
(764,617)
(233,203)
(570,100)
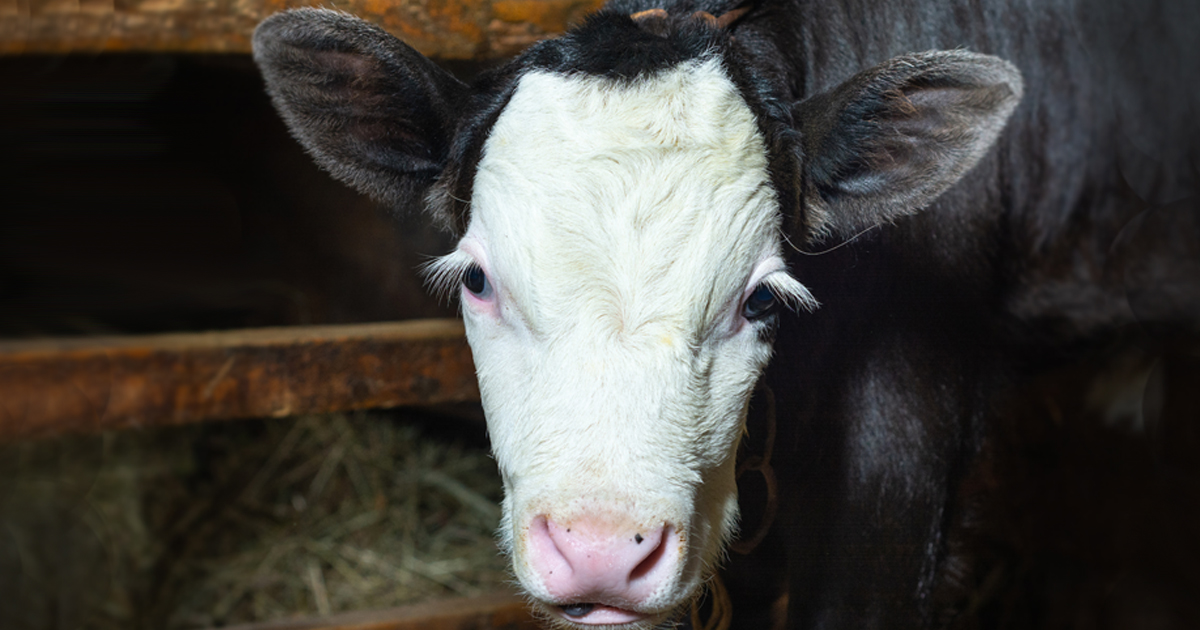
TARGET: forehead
(626,186)
(558,123)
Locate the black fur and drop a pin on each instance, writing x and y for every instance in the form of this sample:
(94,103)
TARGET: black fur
(611,44)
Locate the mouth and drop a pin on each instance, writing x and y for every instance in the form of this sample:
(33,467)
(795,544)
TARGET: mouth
(589,614)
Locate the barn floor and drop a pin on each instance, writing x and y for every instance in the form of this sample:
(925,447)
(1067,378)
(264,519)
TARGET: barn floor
(236,522)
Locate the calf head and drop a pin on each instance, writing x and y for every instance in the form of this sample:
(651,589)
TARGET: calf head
(622,196)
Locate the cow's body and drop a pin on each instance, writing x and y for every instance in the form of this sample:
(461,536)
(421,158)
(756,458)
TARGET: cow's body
(940,318)
(633,198)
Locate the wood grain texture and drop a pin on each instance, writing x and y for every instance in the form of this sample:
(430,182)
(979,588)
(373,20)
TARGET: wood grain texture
(498,611)
(443,29)
(99,383)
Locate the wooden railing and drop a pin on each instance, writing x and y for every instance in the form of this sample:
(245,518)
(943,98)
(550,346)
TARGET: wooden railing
(444,29)
(499,611)
(99,383)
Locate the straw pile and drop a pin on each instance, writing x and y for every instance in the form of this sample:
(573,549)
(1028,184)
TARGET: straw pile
(228,523)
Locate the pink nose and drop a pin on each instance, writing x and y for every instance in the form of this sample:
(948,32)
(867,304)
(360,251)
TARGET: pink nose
(599,571)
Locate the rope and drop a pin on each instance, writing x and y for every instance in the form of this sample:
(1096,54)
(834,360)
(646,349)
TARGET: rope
(762,464)
(722,608)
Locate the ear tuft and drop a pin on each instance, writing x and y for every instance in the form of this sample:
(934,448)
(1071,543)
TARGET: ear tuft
(890,140)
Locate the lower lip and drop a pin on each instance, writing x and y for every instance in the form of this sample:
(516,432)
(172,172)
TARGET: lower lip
(602,615)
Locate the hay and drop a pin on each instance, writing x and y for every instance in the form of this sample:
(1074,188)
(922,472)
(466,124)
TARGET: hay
(231,523)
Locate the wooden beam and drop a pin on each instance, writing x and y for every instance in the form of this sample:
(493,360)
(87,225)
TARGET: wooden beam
(445,29)
(99,383)
(500,611)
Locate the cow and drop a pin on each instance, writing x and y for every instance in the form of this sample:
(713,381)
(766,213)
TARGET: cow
(907,203)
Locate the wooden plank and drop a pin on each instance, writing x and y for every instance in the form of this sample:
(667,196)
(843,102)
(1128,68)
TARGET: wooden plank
(445,29)
(499,611)
(92,384)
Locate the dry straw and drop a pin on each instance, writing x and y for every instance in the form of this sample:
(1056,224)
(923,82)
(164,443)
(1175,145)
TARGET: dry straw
(201,526)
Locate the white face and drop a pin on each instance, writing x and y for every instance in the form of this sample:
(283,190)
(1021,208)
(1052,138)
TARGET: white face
(620,230)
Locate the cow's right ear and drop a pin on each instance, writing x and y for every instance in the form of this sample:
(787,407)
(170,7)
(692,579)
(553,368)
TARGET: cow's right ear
(372,111)
(891,139)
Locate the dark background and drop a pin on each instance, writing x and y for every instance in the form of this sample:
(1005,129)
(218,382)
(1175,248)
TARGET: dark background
(148,193)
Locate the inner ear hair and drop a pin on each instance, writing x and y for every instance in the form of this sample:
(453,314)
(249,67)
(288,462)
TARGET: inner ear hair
(891,139)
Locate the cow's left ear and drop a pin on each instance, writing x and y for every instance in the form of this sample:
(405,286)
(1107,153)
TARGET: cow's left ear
(890,139)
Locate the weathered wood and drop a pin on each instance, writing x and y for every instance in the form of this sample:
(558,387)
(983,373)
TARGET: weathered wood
(92,384)
(445,29)
(500,611)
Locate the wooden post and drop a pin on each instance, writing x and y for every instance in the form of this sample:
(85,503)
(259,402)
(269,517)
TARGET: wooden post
(100,383)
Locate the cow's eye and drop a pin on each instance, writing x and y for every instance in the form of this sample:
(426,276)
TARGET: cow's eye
(760,304)
(476,281)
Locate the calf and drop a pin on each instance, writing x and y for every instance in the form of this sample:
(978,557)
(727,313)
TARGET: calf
(637,204)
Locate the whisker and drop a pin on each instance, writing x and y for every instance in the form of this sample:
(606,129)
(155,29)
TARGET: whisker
(835,247)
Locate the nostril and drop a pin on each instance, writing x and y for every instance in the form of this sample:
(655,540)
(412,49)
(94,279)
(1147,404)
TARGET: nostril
(546,551)
(591,566)
(653,558)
